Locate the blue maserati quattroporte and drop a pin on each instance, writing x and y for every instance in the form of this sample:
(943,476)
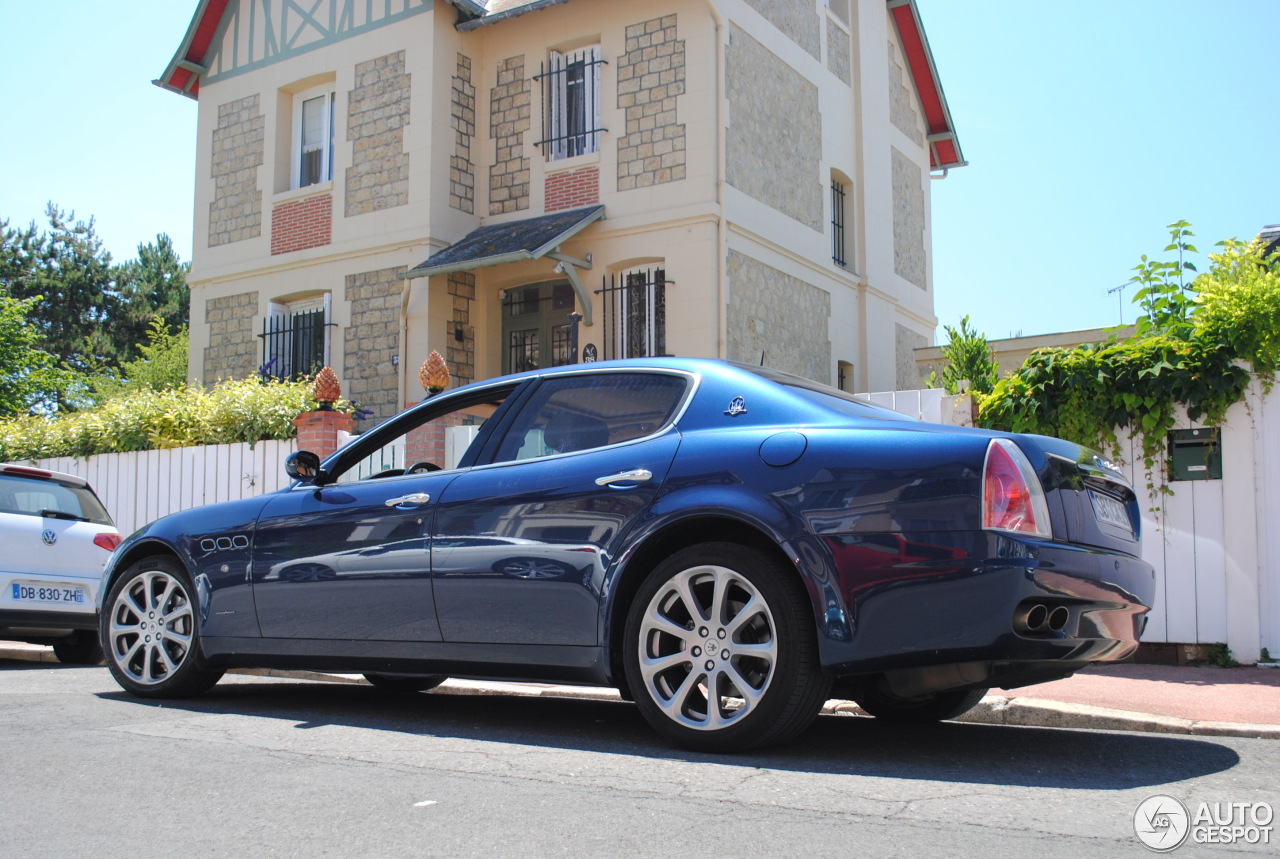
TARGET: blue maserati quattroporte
(727,545)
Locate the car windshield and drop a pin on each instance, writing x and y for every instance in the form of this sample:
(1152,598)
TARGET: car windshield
(828,397)
(33,497)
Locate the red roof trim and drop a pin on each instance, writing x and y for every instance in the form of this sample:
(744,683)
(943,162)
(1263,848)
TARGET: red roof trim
(944,149)
(194,48)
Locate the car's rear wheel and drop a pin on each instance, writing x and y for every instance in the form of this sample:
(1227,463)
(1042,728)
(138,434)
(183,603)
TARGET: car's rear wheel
(150,632)
(721,650)
(79,648)
(878,700)
(405,683)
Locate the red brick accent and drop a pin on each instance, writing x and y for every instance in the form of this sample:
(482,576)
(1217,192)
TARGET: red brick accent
(318,431)
(426,443)
(572,189)
(302,224)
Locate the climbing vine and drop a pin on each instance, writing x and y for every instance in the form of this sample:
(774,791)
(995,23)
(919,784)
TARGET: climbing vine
(1197,345)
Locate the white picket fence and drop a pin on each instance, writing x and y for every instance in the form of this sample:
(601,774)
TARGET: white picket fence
(140,487)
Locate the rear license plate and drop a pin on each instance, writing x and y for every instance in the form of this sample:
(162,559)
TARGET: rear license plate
(31,592)
(1111,511)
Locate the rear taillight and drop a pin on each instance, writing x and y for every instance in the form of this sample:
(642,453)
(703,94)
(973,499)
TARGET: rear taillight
(1012,498)
(107,540)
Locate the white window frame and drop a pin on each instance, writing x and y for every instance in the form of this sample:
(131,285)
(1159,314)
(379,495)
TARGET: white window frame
(560,133)
(330,94)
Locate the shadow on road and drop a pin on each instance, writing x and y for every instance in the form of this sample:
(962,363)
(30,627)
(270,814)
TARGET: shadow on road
(840,745)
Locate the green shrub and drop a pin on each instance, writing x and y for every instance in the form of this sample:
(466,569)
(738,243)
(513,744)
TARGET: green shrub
(230,412)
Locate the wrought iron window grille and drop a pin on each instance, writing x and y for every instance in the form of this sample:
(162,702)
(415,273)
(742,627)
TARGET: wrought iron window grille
(570,85)
(293,345)
(837,223)
(634,311)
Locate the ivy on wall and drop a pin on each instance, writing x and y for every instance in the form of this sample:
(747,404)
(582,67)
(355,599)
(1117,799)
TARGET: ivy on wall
(1198,345)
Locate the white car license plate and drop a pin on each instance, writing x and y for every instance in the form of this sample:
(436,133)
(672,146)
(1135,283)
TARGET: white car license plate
(34,592)
(1111,511)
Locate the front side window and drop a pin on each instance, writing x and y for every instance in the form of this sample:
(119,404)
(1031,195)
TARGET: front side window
(296,337)
(439,441)
(313,124)
(571,99)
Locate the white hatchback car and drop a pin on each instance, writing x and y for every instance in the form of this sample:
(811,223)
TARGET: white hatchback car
(56,538)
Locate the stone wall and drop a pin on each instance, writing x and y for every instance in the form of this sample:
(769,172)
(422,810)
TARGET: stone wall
(377,112)
(650,78)
(907,370)
(902,106)
(509,119)
(233,350)
(798,19)
(838,53)
(908,220)
(462,113)
(239,148)
(775,132)
(368,376)
(779,315)
(461,354)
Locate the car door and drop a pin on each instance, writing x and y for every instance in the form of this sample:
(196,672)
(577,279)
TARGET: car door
(520,545)
(350,559)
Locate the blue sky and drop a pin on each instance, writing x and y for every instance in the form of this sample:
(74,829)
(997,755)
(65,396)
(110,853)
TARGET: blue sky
(1088,126)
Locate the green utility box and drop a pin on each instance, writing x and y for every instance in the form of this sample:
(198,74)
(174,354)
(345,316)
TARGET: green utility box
(1195,454)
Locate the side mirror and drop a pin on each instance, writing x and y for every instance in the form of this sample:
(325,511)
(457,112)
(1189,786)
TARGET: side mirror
(303,465)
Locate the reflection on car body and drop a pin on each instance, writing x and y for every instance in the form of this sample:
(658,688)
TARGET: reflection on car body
(726,544)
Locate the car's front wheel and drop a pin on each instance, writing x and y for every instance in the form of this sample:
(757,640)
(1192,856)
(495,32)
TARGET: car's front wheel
(721,650)
(150,632)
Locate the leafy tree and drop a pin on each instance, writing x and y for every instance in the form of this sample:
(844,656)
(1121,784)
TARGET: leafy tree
(26,371)
(162,365)
(71,277)
(152,286)
(969,358)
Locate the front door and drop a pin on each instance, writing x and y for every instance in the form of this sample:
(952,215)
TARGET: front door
(537,331)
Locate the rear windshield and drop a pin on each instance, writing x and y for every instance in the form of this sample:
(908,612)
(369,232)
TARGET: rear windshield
(829,397)
(34,497)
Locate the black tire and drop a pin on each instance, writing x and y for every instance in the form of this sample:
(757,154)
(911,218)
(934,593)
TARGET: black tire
(80,648)
(403,684)
(150,631)
(876,698)
(747,603)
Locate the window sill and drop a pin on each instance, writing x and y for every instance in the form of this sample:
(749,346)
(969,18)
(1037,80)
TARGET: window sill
(294,194)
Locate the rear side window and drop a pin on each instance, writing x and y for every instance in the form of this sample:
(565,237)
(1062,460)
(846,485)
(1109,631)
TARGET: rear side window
(31,497)
(590,410)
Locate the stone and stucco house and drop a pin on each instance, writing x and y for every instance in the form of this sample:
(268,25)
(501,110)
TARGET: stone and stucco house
(519,184)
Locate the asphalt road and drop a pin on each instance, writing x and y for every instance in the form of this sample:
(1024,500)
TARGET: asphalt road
(270,767)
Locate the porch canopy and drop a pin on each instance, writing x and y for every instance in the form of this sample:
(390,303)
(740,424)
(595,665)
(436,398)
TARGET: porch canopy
(516,241)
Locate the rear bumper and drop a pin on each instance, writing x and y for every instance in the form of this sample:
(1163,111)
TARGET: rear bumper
(912,611)
(14,623)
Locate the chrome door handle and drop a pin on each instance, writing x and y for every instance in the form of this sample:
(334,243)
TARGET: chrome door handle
(635,475)
(416,499)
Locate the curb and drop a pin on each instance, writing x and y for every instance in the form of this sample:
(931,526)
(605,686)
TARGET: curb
(991,710)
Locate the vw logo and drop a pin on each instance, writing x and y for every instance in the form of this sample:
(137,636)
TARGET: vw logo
(49,537)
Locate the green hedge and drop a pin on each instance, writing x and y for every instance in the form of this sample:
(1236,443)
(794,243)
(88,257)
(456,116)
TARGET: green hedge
(230,412)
